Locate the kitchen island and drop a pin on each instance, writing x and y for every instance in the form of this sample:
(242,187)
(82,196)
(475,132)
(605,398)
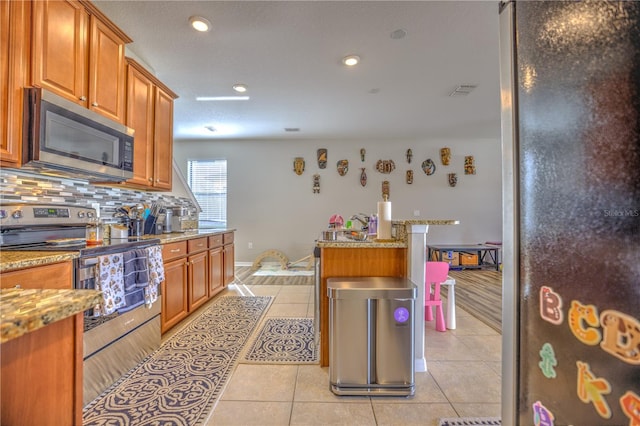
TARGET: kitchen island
(41,345)
(402,257)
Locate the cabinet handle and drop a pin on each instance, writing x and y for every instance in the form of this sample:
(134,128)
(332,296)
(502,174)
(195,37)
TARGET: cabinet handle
(18,286)
(83,98)
(150,179)
(95,104)
(175,251)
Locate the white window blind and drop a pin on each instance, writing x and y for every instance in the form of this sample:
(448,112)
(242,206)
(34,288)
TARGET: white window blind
(208,182)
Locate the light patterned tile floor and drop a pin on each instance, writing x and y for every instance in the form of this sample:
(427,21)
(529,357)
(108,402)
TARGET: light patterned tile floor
(463,379)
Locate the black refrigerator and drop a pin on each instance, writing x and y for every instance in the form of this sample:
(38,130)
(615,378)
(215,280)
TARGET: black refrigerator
(570,91)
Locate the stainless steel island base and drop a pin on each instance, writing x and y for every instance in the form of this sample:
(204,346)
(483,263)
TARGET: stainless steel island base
(371,332)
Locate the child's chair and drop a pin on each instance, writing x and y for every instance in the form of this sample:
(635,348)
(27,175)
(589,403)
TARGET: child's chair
(435,273)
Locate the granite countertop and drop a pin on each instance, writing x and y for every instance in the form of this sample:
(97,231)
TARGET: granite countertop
(399,242)
(373,243)
(12,260)
(24,310)
(429,222)
(187,235)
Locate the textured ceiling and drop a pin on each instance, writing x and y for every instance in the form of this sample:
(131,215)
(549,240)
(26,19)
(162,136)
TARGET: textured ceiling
(289,52)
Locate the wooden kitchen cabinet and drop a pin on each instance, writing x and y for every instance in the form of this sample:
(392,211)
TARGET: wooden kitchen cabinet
(174,287)
(150,113)
(41,376)
(198,283)
(53,276)
(229,258)
(216,265)
(14,44)
(78,53)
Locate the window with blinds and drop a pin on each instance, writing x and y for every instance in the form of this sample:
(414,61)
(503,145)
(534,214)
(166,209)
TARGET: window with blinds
(208,182)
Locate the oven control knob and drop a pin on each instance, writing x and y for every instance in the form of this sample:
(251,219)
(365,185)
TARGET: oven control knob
(89,215)
(80,214)
(17,214)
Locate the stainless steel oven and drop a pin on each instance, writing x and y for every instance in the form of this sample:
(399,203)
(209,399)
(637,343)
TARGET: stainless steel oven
(114,343)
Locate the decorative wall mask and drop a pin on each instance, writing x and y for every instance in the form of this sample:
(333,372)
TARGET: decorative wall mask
(322,158)
(409,177)
(363,177)
(343,167)
(453,179)
(298,165)
(385,190)
(362,154)
(385,166)
(316,184)
(409,155)
(445,156)
(429,167)
(469,165)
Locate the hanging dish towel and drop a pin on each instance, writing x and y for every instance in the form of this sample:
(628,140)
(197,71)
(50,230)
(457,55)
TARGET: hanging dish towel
(110,270)
(156,273)
(136,269)
(136,279)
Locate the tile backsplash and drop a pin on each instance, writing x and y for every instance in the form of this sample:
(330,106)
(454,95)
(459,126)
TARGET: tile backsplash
(17,186)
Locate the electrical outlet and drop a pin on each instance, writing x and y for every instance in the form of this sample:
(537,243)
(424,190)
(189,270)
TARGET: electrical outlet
(416,213)
(250,244)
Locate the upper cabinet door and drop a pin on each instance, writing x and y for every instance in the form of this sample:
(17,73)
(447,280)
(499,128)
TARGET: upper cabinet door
(140,100)
(106,72)
(14,42)
(60,48)
(163,133)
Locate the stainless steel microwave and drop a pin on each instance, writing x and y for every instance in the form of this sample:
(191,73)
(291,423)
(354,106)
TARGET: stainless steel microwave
(66,139)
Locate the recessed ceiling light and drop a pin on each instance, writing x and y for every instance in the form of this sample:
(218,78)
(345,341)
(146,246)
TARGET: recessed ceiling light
(199,23)
(210,128)
(222,98)
(351,60)
(240,88)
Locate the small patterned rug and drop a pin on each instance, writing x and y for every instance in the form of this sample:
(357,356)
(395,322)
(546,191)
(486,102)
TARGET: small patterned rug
(471,421)
(284,341)
(179,383)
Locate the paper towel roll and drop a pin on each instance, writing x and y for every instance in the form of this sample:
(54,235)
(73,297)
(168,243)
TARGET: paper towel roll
(384,220)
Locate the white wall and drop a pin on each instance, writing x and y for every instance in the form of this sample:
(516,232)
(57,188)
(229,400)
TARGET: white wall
(272,207)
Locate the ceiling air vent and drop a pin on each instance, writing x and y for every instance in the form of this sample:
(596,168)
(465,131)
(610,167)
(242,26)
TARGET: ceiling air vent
(463,90)
(292,129)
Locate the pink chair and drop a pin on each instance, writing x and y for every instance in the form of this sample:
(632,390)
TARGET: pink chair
(435,273)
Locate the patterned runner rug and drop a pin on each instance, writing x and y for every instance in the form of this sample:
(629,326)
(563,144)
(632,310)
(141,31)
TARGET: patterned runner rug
(479,292)
(284,341)
(179,383)
(471,421)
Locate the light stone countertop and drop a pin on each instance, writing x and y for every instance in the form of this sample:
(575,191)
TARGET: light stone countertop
(399,242)
(25,310)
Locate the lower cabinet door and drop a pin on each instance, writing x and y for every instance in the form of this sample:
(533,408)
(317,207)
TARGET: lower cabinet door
(216,271)
(174,293)
(198,282)
(229,264)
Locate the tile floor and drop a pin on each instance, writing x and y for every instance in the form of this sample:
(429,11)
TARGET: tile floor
(463,379)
